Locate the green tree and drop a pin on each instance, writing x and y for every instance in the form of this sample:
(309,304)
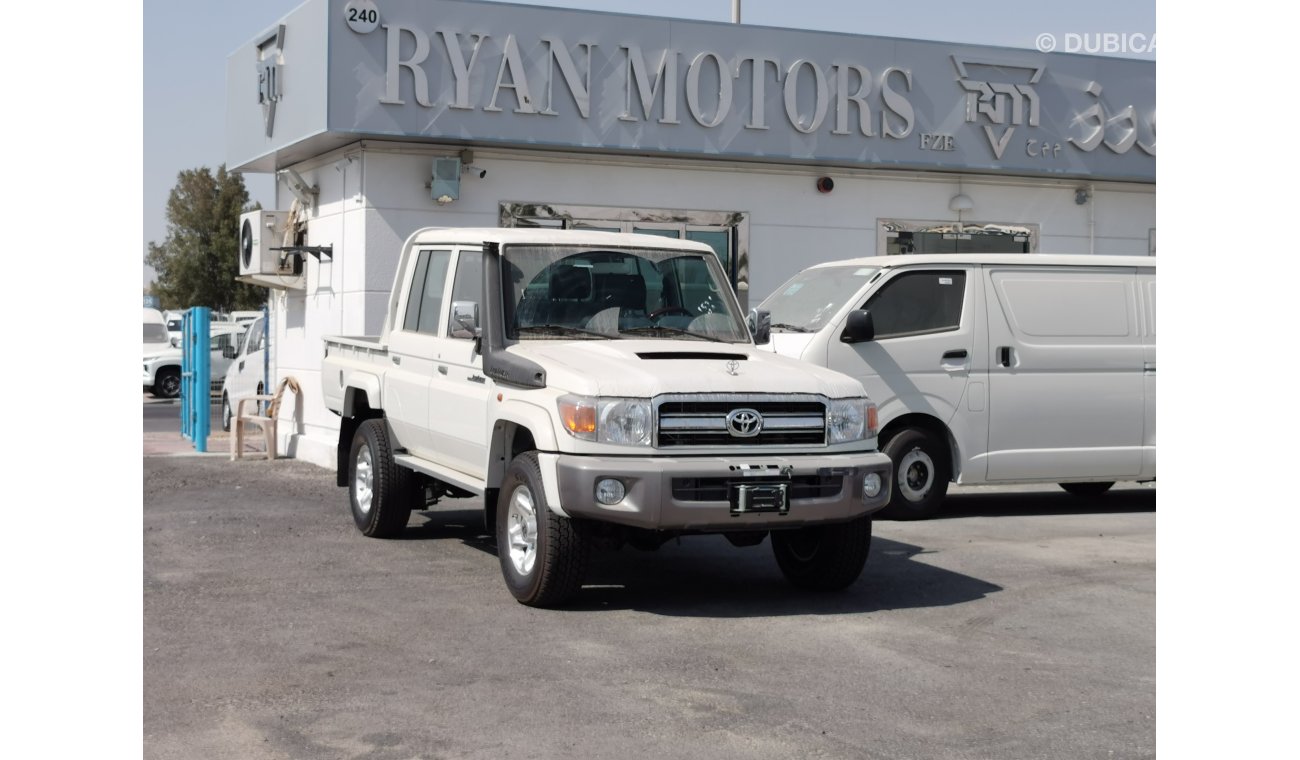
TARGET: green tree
(197,263)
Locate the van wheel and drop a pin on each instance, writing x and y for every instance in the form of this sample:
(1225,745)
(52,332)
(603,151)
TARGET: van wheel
(225,413)
(168,383)
(823,557)
(379,489)
(921,474)
(543,556)
(1087,490)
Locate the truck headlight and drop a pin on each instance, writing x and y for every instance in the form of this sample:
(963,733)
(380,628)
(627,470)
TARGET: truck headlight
(847,420)
(619,421)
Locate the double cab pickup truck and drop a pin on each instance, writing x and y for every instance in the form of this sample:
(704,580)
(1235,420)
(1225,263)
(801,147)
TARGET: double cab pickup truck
(594,390)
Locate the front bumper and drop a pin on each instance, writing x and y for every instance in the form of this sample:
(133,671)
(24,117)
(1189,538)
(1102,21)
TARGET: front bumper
(690,493)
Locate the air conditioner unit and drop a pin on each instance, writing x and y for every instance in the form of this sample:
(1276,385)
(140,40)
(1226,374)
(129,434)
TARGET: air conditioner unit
(259,232)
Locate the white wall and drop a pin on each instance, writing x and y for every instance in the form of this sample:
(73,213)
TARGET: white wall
(372,199)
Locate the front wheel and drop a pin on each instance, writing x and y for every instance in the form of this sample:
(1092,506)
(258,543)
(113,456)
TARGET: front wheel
(225,413)
(380,490)
(921,474)
(1087,490)
(543,555)
(823,557)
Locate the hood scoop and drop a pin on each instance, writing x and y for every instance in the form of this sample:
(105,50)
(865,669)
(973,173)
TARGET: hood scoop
(697,355)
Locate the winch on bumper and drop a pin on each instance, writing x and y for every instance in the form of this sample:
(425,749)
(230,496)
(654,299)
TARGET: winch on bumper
(718,493)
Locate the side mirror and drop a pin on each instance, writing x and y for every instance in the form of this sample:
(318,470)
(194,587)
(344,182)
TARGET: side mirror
(230,352)
(860,328)
(760,326)
(464,319)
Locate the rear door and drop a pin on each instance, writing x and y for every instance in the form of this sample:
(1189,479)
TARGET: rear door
(1146,283)
(1066,397)
(926,321)
(411,346)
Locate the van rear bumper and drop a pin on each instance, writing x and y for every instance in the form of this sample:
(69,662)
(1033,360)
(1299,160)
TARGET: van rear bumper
(697,493)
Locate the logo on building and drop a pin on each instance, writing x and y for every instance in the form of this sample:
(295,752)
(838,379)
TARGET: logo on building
(270,63)
(744,423)
(1003,105)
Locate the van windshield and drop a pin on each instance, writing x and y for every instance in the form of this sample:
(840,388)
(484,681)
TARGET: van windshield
(155,333)
(569,292)
(807,301)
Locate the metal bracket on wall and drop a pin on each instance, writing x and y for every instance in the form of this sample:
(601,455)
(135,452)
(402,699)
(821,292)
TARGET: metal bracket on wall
(319,251)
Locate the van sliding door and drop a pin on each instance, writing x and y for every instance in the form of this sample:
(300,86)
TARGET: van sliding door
(1066,397)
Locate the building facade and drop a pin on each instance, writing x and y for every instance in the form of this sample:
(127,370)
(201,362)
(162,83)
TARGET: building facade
(779,148)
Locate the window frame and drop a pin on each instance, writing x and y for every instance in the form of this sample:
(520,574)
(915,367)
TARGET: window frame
(965,275)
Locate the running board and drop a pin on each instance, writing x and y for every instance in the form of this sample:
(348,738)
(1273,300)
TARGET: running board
(438,472)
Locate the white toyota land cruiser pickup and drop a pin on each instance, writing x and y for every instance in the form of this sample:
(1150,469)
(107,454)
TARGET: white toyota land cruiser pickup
(595,389)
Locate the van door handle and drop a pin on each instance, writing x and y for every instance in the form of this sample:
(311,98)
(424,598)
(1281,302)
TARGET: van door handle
(241,365)
(1004,356)
(957,354)
(396,359)
(442,369)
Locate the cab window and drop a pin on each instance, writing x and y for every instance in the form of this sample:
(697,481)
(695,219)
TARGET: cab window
(918,303)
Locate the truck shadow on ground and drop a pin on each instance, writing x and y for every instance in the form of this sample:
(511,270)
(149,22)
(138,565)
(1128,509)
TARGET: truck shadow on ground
(705,576)
(1046,503)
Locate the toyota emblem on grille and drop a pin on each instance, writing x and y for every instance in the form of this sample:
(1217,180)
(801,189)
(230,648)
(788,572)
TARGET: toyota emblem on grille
(744,423)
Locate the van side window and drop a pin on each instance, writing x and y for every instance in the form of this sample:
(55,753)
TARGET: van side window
(916,303)
(254,340)
(424,302)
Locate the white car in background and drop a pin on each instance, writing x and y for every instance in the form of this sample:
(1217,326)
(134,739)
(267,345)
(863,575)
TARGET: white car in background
(162,364)
(155,332)
(245,375)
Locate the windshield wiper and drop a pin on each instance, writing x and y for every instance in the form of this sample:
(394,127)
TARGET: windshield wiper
(567,330)
(791,328)
(670,330)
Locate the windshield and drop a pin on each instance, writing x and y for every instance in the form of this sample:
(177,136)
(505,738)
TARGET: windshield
(808,300)
(580,293)
(155,333)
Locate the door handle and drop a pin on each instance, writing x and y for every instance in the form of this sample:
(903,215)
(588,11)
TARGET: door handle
(442,369)
(957,354)
(396,359)
(241,365)
(1004,356)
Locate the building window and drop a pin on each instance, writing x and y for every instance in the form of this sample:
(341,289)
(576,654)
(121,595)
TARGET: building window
(726,232)
(896,236)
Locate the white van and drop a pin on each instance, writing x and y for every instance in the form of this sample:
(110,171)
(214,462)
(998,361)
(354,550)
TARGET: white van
(245,375)
(989,368)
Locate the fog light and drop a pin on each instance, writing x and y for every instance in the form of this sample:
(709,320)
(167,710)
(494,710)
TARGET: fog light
(871,485)
(611,491)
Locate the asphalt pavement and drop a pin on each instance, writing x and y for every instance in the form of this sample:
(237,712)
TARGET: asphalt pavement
(1019,624)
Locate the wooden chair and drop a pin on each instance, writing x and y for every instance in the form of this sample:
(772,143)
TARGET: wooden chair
(267,423)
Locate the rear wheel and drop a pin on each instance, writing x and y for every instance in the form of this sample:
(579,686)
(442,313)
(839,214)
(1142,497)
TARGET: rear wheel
(823,557)
(168,383)
(1087,490)
(381,491)
(543,555)
(921,474)
(225,413)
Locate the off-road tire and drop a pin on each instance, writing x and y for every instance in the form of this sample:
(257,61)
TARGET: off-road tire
(382,494)
(560,545)
(823,557)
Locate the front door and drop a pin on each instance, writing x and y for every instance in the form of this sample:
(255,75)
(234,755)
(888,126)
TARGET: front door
(458,415)
(921,358)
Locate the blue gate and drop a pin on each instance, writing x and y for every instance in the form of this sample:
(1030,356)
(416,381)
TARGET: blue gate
(196,376)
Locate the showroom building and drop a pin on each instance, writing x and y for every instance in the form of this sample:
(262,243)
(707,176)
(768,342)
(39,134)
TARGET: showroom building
(779,148)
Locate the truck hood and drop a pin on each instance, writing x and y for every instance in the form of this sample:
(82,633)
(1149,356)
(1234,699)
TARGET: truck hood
(647,368)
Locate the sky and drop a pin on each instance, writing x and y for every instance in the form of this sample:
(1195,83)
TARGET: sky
(186,43)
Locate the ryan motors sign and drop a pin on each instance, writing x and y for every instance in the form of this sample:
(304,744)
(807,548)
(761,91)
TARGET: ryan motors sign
(521,75)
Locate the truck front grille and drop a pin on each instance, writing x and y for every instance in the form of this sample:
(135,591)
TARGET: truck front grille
(703,421)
